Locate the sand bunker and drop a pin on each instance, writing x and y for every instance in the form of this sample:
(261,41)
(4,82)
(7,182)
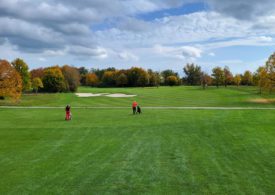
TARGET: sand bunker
(262,101)
(114,95)
(89,94)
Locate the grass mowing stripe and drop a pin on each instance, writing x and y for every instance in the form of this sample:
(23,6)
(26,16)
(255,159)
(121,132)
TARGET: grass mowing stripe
(160,151)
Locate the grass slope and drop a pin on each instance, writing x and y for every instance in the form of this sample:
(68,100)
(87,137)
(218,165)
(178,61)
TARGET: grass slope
(163,96)
(111,151)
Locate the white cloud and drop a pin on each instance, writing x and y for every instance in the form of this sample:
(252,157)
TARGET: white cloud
(184,29)
(126,55)
(52,53)
(97,52)
(244,9)
(42,59)
(20,32)
(102,32)
(245,41)
(184,52)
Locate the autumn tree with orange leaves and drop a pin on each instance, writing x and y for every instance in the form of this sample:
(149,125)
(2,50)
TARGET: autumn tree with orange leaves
(92,80)
(10,81)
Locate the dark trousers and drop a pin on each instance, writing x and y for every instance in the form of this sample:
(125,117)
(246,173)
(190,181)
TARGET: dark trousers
(134,110)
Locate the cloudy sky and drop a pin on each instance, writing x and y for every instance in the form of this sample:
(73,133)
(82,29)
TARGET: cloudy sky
(157,34)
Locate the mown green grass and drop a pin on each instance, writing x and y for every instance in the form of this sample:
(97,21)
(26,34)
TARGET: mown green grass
(105,151)
(162,96)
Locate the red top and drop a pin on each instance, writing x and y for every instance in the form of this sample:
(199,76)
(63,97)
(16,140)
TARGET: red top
(134,104)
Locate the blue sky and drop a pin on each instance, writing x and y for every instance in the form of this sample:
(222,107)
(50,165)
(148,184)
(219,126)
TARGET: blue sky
(156,34)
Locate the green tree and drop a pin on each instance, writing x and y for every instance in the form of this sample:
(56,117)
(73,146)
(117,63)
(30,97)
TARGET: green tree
(37,84)
(218,76)
(53,80)
(109,78)
(100,72)
(193,74)
(23,69)
(143,79)
(154,78)
(83,72)
(121,80)
(247,78)
(137,77)
(255,79)
(270,68)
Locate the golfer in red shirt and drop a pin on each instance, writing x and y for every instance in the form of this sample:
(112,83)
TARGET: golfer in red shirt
(68,112)
(134,106)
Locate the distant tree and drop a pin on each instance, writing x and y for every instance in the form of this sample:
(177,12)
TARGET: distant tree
(262,77)
(247,78)
(39,72)
(218,76)
(10,81)
(83,72)
(237,79)
(72,77)
(172,80)
(166,73)
(109,78)
(100,72)
(228,77)
(92,80)
(37,84)
(193,74)
(206,80)
(23,69)
(270,68)
(157,79)
(137,77)
(154,78)
(255,79)
(121,80)
(143,79)
(53,80)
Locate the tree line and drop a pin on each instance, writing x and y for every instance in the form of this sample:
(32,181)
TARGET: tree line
(15,78)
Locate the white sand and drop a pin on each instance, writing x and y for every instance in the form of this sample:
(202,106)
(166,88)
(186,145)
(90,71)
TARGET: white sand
(89,94)
(114,95)
(120,95)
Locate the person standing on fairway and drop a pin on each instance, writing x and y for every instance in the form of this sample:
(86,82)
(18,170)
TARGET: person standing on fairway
(134,107)
(68,113)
